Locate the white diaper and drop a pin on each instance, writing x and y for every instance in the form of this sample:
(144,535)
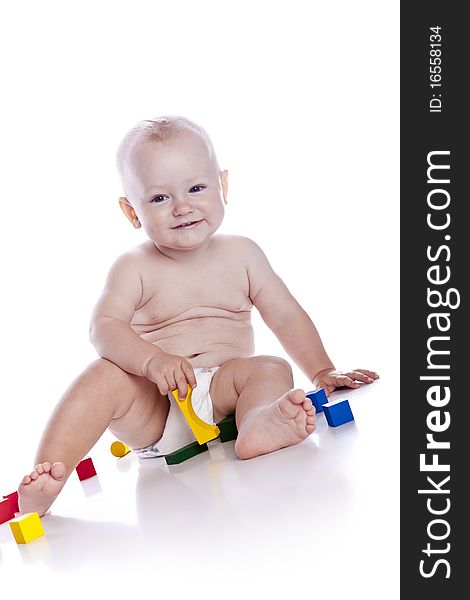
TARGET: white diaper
(177,432)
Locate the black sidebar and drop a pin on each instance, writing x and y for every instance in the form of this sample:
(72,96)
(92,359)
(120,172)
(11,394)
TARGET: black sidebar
(435,259)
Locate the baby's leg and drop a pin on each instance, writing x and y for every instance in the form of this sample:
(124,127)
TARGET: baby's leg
(270,415)
(102,396)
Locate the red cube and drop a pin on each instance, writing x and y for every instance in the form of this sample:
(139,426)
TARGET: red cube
(7,510)
(14,497)
(85,469)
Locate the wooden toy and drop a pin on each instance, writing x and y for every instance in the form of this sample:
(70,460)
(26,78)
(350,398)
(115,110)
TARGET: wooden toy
(204,432)
(228,429)
(85,469)
(318,398)
(338,412)
(119,449)
(26,528)
(7,510)
(14,497)
(185,453)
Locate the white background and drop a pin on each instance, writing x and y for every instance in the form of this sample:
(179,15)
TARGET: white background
(301,102)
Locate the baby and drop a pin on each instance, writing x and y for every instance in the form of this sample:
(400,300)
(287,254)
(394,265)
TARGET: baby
(175,311)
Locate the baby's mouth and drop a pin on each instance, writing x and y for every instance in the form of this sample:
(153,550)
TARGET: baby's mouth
(188,224)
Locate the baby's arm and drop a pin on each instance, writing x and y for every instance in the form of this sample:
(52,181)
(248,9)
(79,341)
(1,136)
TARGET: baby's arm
(292,325)
(115,340)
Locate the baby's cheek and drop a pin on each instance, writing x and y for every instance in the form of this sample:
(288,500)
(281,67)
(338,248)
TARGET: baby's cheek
(150,228)
(218,214)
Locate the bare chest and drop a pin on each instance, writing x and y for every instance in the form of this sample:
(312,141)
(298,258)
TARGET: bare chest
(176,293)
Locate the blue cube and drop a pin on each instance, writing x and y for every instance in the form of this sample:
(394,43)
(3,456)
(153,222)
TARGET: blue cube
(338,412)
(318,398)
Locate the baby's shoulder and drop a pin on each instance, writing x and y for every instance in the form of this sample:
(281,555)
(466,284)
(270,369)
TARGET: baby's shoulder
(247,254)
(134,258)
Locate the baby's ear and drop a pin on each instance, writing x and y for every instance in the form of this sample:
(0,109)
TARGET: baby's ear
(224,183)
(128,210)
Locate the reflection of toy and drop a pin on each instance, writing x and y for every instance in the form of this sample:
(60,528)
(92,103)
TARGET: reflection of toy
(203,431)
(26,528)
(338,412)
(85,469)
(7,510)
(119,449)
(318,398)
(179,456)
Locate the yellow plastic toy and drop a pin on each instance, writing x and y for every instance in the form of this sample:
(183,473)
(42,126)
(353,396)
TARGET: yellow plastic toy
(204,432)
(119,449)
(26,528)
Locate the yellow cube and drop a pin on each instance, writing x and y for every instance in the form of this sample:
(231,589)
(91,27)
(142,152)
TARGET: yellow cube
(26,528)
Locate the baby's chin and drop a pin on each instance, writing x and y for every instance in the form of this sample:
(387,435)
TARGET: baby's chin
(182,245)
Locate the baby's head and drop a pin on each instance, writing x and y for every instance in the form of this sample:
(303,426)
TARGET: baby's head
(172,182)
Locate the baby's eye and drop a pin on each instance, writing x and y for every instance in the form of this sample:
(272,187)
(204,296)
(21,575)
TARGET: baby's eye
(159,198)
(197,188)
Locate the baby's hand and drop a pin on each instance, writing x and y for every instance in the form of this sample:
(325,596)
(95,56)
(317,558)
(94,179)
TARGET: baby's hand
(169,372)
(330,380)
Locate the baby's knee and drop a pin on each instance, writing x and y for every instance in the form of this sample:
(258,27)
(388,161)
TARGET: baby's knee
(273,364)
(105,370)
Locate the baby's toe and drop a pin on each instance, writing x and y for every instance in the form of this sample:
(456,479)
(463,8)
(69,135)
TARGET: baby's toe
(26,479)
(39,469)
(34,475)
(308,406)
(46,466)
(58,470)
(297,396)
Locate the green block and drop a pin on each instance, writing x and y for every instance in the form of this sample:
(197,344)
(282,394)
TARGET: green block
(179,456)
(228,429)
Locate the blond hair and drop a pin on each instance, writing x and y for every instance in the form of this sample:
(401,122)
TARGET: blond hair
(159,129)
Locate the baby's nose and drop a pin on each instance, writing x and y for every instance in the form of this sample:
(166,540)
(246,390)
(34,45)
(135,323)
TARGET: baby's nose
(182,206)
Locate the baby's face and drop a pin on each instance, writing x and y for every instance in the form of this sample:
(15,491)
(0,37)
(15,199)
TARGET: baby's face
(176,191)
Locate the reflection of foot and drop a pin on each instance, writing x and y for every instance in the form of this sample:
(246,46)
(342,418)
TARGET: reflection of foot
(283,423)
(38,490)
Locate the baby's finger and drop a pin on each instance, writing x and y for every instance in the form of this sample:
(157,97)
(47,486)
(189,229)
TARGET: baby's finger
(357,375)
(346,381)
(162,385)
(181,383)
(171,380)
(371,374)
(189,373)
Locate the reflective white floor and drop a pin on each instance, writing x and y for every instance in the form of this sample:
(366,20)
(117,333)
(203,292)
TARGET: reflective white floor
(320,517)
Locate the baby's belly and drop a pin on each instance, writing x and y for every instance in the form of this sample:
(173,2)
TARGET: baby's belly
(205,341)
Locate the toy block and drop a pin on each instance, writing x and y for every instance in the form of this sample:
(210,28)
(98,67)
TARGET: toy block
(85,469)
(119,449)
(7,510)
(179,456)
(204,432)
(27,528)
(14,497)
(228,429)
(318,398)
(338,412)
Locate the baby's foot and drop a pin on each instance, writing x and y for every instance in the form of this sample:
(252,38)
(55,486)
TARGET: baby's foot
(38,490)
(283,423)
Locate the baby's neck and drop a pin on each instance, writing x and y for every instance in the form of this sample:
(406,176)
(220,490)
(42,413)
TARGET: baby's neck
(189,255)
